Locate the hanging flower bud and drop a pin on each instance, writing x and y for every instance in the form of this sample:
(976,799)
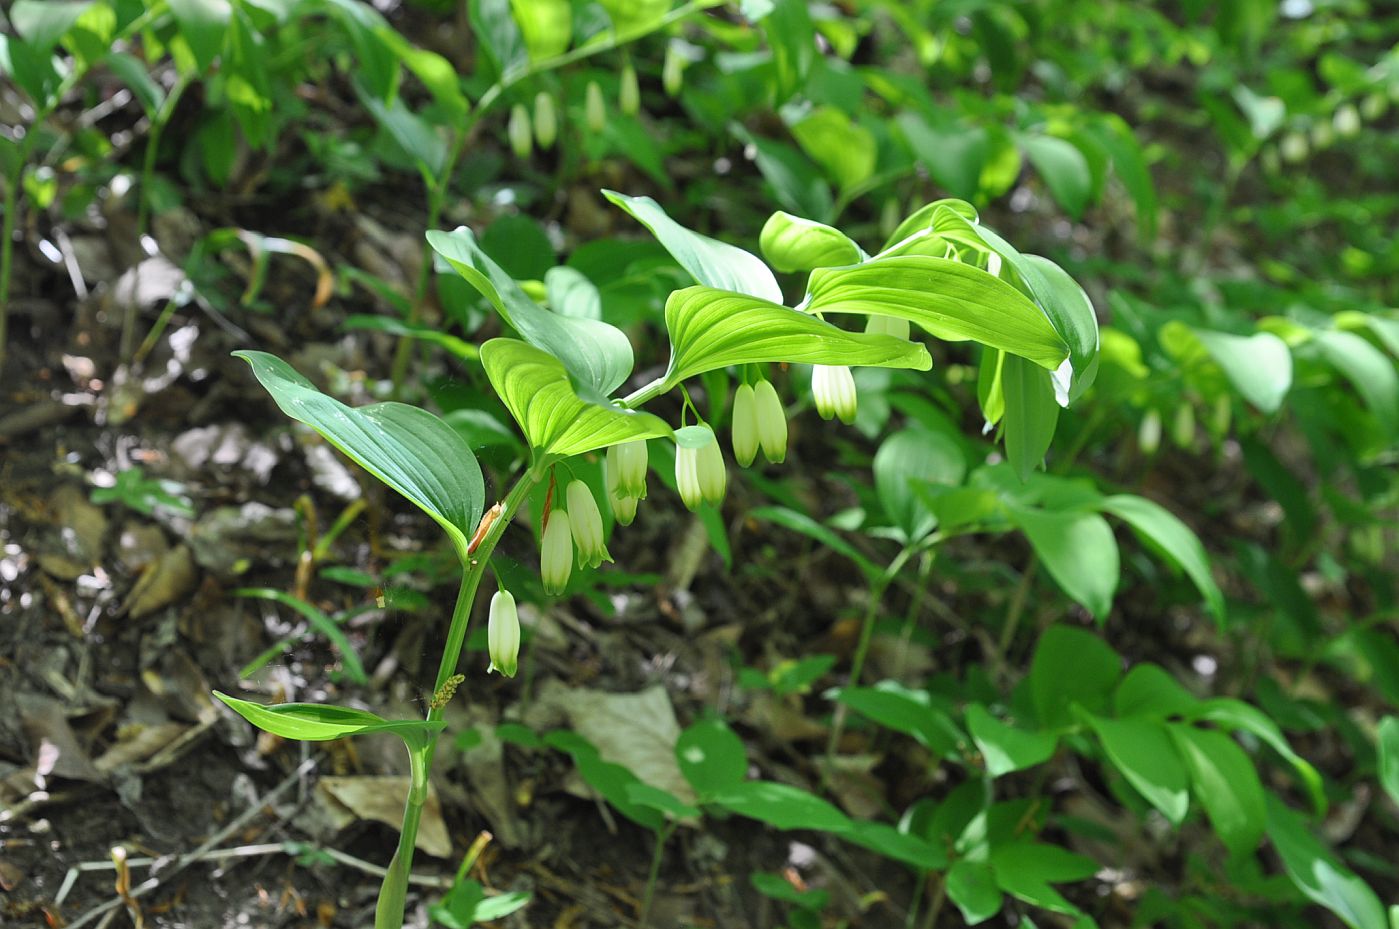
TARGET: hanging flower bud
(626,469)
(503,634)
(556,553)
(595,107)
(624,508)
(745,426)
(772,422)
(629,93)
(546,121)
(519,130)
(586,522)
(700,474)
(673,71)
(833,388)
(888,325)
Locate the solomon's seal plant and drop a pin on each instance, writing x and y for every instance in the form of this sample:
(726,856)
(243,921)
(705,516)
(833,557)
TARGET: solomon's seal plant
(561,376)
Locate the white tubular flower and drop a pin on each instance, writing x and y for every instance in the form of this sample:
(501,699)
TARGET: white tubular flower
(626,469)
(624,508)
(713,476)
(556,553)
(833,388)
(772,422)
(586,522)
(888,325)
(503,634)
(745,425)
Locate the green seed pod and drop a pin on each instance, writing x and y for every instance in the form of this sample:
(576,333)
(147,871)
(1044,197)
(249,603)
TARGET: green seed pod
(673,71)
(546,121)
(629,92)
(519,131)
(596,108)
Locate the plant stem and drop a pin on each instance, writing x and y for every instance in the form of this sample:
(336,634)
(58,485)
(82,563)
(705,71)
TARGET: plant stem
(392,898)
(857,664)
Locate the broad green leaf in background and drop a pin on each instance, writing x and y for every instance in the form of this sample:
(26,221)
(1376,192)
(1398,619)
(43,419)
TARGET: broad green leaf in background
(596,355)
(319,722)
(41,23)
(712,329)
(843,148)
(972,886)
(1237,715)
(1078,550)
(949,299)
(781,806)
(1318,873)
(1225,783)
(1027,869)
(1006,748)
(1071,666)
(1259,366)
(407,448)
(1143,751)
(915,456)
(1030,414)
(556,422)
(711,262)
(1371,374)
(1064,169)
(1388,733)
(203,24)
(1159,528)
(547,26)
(790,243)
(711,757)
(905,710)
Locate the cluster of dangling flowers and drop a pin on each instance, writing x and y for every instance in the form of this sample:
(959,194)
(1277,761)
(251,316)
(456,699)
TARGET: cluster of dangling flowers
(575,530)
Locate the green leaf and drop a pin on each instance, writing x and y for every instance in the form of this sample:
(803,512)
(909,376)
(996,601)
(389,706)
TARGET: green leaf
(1319,874)
(1143,751)
(1237,715)
(712,263)
(596,355)
(915,456)
(1388,733)
(318,722)
(712,329)
(1004,747)
(1159,528)
(902,709)
(1071,666)
(1259,366)
(409,449)
(1078,550)
(556,422)
(711,757)
(1064,169)
(1026,870)
(1148,690)
(1030,415)
(949,299)
(972,886)
(1371,374)
(844,149)
(203,24)
(781,806)
(41,23)
(790,243)
(1225,783)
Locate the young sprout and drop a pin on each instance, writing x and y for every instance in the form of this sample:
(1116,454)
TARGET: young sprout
(546,121)
(745,425)
(556,553)
(833,388)
(700,474)
(772,422)
(519,131)
(503,634)
(586,522)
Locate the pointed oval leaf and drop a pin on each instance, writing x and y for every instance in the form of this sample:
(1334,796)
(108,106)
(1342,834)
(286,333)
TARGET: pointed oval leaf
(555,420)
(712,329)
(713,263)
(1159,528)
(407,448)
(949,299)
(595,354)
(319,722)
